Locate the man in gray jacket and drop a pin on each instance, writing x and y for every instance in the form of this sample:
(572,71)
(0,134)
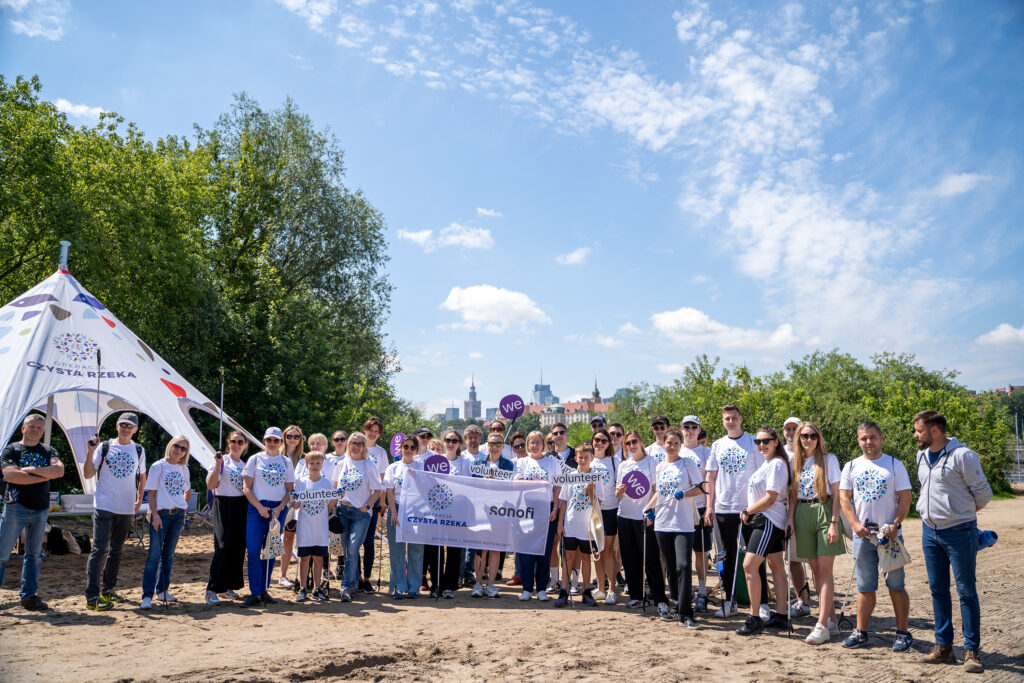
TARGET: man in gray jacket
(953,489)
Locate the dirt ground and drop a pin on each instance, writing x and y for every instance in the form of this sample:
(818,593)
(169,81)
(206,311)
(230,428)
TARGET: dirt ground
(376,638)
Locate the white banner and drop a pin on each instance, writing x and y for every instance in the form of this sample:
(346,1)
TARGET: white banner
(467,512)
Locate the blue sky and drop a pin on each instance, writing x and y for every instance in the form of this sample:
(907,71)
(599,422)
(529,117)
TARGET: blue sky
(608,189)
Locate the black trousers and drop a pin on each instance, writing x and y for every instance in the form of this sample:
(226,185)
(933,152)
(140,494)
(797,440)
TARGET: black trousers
(371,538)
(729,527)
(635,559)
(228,564)
(441,564)
(676,548)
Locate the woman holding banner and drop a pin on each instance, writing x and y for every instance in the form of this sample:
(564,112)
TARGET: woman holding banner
(605,463)
(637,543)
(538,466)
(294,442)
(452,557)
(487,561)
(229,509)
(406,558)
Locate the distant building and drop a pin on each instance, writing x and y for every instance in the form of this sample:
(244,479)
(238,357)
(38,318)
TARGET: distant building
(619,393)
(451,414)
(542,393)
(491,414)
(471,408)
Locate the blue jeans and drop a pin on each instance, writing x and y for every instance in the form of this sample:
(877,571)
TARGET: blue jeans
(406,564)
(355,523)
(956,547)
(256,529)
(865,565)
(536,569)
(161,551)
(15,518)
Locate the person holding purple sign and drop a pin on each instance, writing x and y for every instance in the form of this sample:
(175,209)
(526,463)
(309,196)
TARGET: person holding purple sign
(406,558)
(637,542)
(538,466)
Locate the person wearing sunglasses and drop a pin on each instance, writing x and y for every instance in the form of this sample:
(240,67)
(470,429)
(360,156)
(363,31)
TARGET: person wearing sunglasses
(703,533)
(358,479)
(268,481)
(802,606)
(497,426)
(488,562)
(560,444)
(406,558)
(659,426)
(814,515)
(538,466)
(732,462)
(423,437)
(605,464)
(449,558)
(339,441)
(373,427)
(168,490)
(517,446)
(765,521)
(616,431)
(637,542)
(294,449)
(226,480)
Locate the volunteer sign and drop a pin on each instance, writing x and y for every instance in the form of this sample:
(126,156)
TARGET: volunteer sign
(467,512)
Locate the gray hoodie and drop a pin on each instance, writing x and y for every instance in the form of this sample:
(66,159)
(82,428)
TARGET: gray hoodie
(953,489)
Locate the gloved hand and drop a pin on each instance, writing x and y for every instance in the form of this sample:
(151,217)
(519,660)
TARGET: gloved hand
(649,514)
(679,494)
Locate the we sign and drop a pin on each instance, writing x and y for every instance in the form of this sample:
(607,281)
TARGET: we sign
(511,406)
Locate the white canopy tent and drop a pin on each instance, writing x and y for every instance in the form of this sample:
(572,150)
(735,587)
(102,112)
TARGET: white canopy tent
(52,339)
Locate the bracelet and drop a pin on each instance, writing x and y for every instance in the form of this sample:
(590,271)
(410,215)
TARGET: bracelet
(834,521)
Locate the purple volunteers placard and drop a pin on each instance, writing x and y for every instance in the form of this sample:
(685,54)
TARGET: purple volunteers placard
(396,445)
(437,464)
(511,407)
(637,484)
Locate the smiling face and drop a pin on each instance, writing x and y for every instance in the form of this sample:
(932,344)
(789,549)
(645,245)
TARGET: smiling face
(766,444)
(559,438)
(535,446)
(870,441)
(673,445)
(732,421)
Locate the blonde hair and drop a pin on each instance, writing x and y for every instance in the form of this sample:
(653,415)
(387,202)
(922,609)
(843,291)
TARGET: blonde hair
(170,449)
(536,434)
(435,445)
(361,438)
(317,436)
(315,455)
(800,456)
(294,453)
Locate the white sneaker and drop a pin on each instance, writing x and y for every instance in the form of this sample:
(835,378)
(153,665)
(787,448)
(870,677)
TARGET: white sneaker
(526,595)
(727,609)
(800,609)
(552,587)
(542,596)
(819,635)
(575,590)
(764,612)
(166,597)
(609,599)
(211,598)
(597,594)
(491,591)
(833,627)
(147,603)
(285,582)
(478,591)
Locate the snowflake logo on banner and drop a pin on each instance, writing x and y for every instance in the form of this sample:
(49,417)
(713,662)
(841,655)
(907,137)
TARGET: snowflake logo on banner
(350,480)
(440,497)
(668,482)
(121,463)
(174,483)
(76,347)
(733,460)
(273,474)
(871,486)
(806,485)
(579,500)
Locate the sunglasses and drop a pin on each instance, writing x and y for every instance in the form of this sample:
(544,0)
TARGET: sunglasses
(659,427)
(236,440)
(292,436)
(408,447)
(690,428)
(600,439)
(424,436)
(496,443)
(125,425)
(451,441)
(180,447)
(339,438)
(616,435)
(558,433)
(632,442)
(811,436)
(518,446)
(763,442)
(272,439)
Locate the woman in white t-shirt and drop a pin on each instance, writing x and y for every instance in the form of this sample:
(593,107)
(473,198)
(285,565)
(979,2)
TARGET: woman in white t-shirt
(294,441)
(226,480)
(814,516)
(605,463)
(677,483)
(764,530)
(449,558)
(538,466)
(406,558)
(359,478)
(169,490)
(269,478)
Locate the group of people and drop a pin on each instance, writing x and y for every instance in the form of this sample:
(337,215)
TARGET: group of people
(771,495)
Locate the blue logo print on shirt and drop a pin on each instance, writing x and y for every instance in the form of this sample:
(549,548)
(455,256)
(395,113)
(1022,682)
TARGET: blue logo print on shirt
(733,460)
(870,486)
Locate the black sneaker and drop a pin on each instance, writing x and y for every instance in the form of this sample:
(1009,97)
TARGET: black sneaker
(776,620)
(34,604)
(301,596)
(701,603)
(688,622)
(588,598)
(98,604)
(267,598)
(319,596)
(112,597)
(619,580)
(751,626)
(365,587)
(252,601)
(563,598)
(856,639)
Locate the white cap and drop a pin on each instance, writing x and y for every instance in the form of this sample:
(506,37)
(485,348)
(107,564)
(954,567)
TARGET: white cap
(792,421)
(690,418)
(272,432)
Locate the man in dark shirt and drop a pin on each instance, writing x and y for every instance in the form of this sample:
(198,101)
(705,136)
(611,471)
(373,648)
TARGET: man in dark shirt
(28,466)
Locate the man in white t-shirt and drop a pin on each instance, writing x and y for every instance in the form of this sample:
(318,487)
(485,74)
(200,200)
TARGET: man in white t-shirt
(372,428)
(732,462)
(119,466)
(702,540)
(659,425)
(874,492)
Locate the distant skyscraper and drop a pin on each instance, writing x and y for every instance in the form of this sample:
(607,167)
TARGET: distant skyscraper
(491,414)
(471,408)
(542,392)
(451,414)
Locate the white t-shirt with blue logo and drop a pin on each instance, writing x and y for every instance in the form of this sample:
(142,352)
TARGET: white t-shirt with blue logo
(605,488)
(631,508)
(699,455)
(116,485)
(359,479)
(657,451)
(269,475)
(671,514)
(874,484)
(805,481)
(311,519)
(772,475)
(379,455)
(578,508)
(533,469)
(735,460)
(394,476)
(168,483)
(231,480)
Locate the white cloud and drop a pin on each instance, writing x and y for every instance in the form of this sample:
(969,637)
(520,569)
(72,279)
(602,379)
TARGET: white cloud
(313,11)
(79,111)
(489,213)
(454,235)
(574,258)
(38,18)
(1003,335)
(692,328)
(493,309)
(958,183)
(629,328)
(670,368)
(475,355)
(606,341)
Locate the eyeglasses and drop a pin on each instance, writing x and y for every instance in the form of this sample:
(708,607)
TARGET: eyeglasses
(810,436)
(357,443)
(292,436)
(408,447)
(340,438)
(451,440)
(690,428)
(236,440)
(632,442)
(600,439)
(518,446)
(560,432)
(180,447)
(763,442)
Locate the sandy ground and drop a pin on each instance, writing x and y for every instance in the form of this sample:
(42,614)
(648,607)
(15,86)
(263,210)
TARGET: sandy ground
(376,638)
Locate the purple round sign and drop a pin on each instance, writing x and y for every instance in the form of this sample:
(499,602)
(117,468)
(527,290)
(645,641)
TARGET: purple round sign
(437,464)
(637,485)
(396,445)
(511,406)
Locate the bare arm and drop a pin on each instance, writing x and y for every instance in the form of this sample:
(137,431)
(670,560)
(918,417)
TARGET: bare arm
(253,500)
(88,468)
(14,475)
(846,500)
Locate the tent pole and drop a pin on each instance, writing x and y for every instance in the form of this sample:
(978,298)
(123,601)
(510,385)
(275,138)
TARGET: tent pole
(49,420)
(64,246)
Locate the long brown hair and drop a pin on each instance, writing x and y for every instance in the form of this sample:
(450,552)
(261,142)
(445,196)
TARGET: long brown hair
(800,456)
(296,453)
(245,444)
(609,450)
(778,452)
(625,437)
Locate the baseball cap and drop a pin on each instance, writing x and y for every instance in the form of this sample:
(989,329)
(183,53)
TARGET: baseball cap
(130,418)
(273,432)
(792,421)
(659,418)
(598,418)
(691,418)
(423,431)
